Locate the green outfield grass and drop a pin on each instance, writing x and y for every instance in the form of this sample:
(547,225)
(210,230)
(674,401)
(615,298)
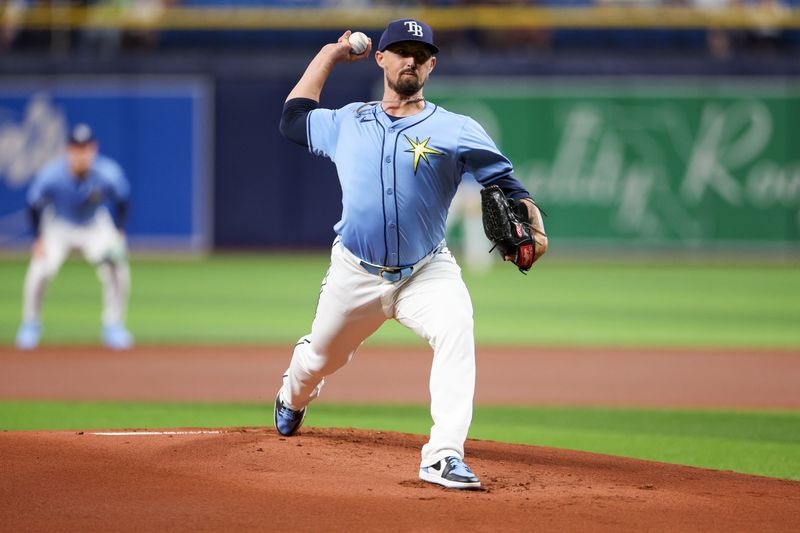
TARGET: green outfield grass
(763,443)
(270,298)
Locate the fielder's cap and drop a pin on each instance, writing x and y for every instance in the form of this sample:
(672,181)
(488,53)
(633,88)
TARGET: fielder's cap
(407,30)
(81,134)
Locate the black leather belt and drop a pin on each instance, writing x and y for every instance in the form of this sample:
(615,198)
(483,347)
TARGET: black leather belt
(393,274)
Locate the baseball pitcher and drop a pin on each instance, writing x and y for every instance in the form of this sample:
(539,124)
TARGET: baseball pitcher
(399,163)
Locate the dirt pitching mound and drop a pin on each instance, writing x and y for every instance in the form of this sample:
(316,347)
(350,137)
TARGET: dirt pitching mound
(353,480)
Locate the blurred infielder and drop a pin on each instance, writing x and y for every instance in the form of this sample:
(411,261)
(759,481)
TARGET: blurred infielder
(399,163)
(67,203)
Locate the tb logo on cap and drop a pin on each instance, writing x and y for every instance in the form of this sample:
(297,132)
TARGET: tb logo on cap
(414,28)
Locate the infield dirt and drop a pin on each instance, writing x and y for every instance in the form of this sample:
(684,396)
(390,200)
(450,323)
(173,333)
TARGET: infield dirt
(632,377)
(350,480)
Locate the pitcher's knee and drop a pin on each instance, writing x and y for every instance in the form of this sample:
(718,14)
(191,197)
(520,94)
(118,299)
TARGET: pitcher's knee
(316,361)
(454,329)
(458,321)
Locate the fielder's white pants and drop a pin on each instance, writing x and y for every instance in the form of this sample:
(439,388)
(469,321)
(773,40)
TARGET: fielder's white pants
(101,245)
(433,302)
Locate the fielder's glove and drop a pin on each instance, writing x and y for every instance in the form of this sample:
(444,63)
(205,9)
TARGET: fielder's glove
(515,227)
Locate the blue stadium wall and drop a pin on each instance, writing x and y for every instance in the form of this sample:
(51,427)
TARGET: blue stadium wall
(265,192)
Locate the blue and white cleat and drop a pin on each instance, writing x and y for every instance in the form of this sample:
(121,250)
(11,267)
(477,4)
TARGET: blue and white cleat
(116,337)
(28,335)
(450,472)
(287,422)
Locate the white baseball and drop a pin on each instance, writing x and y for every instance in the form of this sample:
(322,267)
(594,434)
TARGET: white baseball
(358,43)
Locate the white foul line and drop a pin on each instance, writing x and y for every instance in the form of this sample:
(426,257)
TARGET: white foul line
(151,433)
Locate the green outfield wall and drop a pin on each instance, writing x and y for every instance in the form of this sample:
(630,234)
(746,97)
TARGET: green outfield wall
(686,162)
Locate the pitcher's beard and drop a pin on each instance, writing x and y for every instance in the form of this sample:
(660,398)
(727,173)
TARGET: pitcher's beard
(406,85)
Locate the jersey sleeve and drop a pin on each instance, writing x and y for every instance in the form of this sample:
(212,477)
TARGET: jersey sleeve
(38,192)
(322,128)
(480,157)
(117,183)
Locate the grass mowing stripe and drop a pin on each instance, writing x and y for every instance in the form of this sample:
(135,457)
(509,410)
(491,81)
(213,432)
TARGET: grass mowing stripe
(754,442)
(270,298)
(43,415)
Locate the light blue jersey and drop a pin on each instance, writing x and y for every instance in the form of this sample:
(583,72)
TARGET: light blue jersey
(74,200)
(399,176)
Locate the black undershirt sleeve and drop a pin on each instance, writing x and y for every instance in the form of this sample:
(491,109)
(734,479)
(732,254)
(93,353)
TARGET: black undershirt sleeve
(293,119)
(511,187)
(35,216)
(122,214)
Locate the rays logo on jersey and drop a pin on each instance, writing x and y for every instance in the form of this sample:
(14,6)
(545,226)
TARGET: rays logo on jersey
(421,150)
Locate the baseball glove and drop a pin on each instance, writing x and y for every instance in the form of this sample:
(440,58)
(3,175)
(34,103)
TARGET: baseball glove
(507,224)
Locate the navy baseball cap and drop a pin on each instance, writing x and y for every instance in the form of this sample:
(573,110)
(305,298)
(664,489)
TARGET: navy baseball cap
(407,30)
(81,134)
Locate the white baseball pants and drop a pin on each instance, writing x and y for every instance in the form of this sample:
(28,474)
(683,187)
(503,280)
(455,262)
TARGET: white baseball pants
(100,243)
(433,302)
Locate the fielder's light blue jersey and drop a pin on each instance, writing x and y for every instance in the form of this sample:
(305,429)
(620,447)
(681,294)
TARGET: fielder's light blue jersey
(399,176)
(74,200)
